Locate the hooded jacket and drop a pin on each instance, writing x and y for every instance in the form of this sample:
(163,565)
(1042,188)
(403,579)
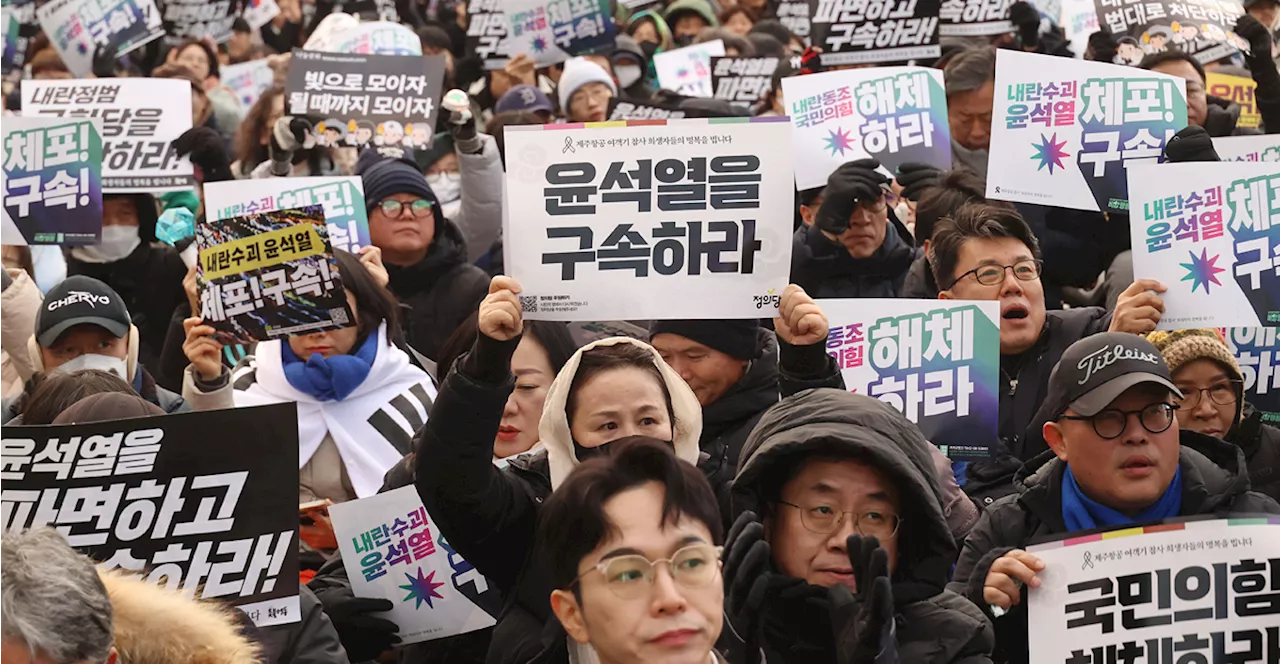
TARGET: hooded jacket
(933,625)
(700,7)
(824,268)
(1261,445)
(1213,482)
(664,41)
(20,303)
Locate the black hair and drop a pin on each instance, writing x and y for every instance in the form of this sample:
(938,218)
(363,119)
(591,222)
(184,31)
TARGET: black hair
(208,53)
(496,124)
(241,25)
(553,336)
(433,35)
(1172,55)
(975,221)
(573,521)
(953,191)
(144,206)
(51,393)
(618,356)
(374,303)
(774,27)
(767,45)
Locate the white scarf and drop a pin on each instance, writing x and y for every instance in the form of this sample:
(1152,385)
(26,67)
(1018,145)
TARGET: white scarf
(390,405)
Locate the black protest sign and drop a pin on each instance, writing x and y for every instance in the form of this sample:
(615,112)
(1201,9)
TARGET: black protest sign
(201,502)
(626,109)
(975,18)
(1203,28)
(875,30)
(742,81)
(795,15)
(363,100)
(487,27)
(197,19)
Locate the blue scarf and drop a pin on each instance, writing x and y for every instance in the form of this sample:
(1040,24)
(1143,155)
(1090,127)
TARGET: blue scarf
(332,379)
(1083,513)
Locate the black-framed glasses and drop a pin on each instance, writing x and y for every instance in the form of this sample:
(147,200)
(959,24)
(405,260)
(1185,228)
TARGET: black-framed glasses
(420,207)
(993,275)
(1223,394)
(825,519)
(631,576)
(1110,423)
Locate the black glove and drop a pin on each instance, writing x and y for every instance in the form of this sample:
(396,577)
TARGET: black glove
(851,183)
(915,178)
(1027,19)
(1103,46)
(1253,31)
(288,135)
(863,623)
(1191,144)
(104,59)
(207,151)
(364,637)
(746,580)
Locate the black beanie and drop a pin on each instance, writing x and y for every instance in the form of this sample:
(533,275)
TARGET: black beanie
(384,176)
(735,338)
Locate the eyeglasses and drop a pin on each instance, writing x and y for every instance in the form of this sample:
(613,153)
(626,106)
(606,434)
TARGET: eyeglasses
(993,275)
(393,208)
(631,576)
(825,519)
(1223,394)
(1110,423)
(877,206)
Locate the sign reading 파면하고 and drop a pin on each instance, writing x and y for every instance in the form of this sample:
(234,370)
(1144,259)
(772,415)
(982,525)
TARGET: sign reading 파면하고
(201,502)
(875,31)
(935,361)
(392,550)
(487,27)
(742,81)
(894,114)
(551,31)
(77,27)
(975,18)
(687,70)
(269,275)
(361,100)
(654,220)
(1240,90)
(1063,132)
(342,198)
(1209,232)
(248,80)
(1257,351)
(1203,28)
(1263,147)
(52,181)
(1198,591)
(141,117)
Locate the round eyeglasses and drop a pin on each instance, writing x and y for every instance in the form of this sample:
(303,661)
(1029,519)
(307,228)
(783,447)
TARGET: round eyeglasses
(1110,423)
(825,519)
(631,576)
(392,208)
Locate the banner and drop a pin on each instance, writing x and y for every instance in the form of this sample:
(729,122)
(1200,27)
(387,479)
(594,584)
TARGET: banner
(552,31)
(141,117)
(1240,90)
(201,502)
(687,218)
(1203,28)
(935,361)
(1258,354)
(852,33)
(52,181)
(76,28)
(1264,147)
(405,559)
(1200,591)
(742,81)
(1208,232)
(377,38)
(625,109)
(1063,132)
(687,71)
(269,275)
(794,14)
(895,114)
(975,18)
(487,32)
(342,198)
(248,80)
(361,100)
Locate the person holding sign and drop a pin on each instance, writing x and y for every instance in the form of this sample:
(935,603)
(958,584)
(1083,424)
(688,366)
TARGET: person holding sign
(1117,457)
(844,536)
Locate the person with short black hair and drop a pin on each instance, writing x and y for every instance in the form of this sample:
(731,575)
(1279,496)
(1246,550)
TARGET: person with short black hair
(951,192)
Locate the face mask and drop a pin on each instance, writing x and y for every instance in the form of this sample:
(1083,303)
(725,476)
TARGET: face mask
(627,75)
(904,213)
(684,40)
(117,243)
(446,186)
(114,365)
(649,49)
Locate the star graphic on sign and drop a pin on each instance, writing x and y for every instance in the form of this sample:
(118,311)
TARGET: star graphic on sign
(1050,153)
(422,589)
(539,44)
(1202,270)
(838,140)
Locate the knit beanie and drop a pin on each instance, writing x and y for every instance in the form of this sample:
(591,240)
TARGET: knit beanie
(577,73)
(385,176)
(1181,347)
(736,338)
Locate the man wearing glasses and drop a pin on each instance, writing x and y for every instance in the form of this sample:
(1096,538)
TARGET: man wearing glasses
(1117,457)
(845,529)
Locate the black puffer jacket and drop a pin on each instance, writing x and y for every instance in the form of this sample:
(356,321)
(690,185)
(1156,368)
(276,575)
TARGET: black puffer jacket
(934,626)
(440,291)
(1213,482)
(824,268)
(1261,444)
(920,284)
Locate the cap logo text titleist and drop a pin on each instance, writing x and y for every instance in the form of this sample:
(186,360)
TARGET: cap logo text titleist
(75,297)
(1105,357)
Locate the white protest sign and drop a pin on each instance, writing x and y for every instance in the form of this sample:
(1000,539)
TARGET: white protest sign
(1064,131)
(1248,148)
(78,27)
(1079,19)
(1209,232)
(687,70)
(341,196)
(376,38)
(248,80)
(392,550)
(1207,590)
(686,218)
(258,13)
(894,114)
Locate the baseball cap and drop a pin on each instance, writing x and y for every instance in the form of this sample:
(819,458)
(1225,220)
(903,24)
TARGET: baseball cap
(1095,370)
(80,300)
(523,98)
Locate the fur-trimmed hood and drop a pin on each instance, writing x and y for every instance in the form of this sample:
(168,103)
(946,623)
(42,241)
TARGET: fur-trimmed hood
(154,625)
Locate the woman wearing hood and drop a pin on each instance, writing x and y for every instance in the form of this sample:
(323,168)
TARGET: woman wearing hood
(610,389)
(651,33)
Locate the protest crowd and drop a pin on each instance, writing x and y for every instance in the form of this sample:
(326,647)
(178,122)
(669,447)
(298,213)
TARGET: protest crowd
(876,372)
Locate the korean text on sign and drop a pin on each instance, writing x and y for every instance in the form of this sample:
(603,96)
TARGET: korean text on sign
(52,181)
(869,31)
(341,197)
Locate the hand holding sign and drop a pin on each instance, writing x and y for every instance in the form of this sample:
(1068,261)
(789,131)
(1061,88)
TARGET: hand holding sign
(1008,573)
(202,350)
(801,321)
(500,318)
(1138,309)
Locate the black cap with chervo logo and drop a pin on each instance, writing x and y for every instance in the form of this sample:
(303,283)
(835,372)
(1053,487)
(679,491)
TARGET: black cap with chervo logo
(80,300)
(1097,369)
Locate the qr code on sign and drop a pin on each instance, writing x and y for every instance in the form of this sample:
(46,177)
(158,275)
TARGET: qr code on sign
(529,305)
(339,316)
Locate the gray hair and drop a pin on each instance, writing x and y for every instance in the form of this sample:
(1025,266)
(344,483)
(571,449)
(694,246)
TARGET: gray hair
(52,600)
(970,69)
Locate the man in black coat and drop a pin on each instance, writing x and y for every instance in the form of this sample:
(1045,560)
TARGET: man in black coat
(1117,458)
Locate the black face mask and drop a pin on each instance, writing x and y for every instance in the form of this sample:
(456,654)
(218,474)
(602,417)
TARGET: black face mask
(649,48)
(684,40)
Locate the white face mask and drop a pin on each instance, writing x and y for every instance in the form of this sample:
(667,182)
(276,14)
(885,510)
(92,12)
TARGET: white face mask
(446,186)
(627,75)
(114,365)
(117,243)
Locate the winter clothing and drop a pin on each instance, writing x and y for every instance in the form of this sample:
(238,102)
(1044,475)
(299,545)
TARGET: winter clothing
(852,184)
(933,625)
(1181,347)
(1191,144)
(577,73)
(20,302)
(311,641)
(700,7)
(383,177)
(523,98)
(920,283)
(1261,445)
(1213,482)
(824,268)
(738,339)
(107,406)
